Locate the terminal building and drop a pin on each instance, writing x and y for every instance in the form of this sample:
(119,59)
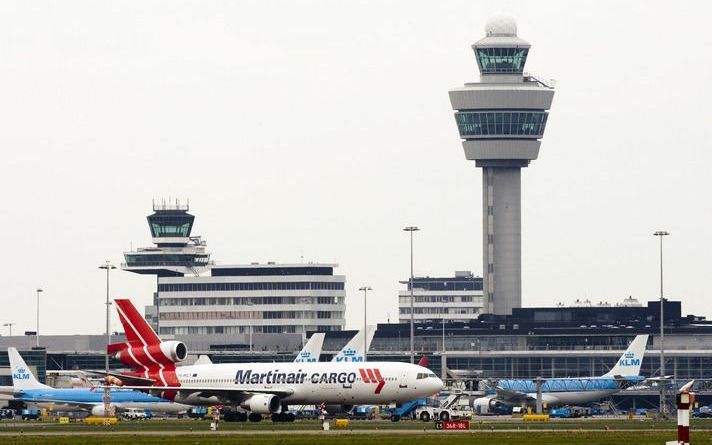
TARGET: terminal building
(194,296)
(451,298)
(255,298)
(577,341)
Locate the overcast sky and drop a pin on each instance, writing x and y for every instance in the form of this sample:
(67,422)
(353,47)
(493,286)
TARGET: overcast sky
(324,127)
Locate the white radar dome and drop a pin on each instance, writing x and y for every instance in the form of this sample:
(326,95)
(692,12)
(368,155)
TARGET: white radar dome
(501,25)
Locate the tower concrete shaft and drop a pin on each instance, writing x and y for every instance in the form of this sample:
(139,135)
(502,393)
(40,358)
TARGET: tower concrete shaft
(501,120)
(502,238)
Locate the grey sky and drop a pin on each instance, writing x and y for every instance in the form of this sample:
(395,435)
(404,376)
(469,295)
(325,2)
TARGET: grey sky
(325,127)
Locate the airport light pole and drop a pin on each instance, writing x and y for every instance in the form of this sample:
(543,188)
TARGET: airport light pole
(411,229)
(37,334)
(365,289)
(107,393)
(660,234)
(9,325)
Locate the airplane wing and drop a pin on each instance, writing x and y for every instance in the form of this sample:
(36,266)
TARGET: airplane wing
(514,397)
(81,405)
(236,394)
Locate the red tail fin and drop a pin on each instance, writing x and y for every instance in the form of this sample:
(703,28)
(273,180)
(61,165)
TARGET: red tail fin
(424,362)
(137,329)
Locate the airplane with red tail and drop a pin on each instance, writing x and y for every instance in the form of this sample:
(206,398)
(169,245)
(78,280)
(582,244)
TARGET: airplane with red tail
(259,388)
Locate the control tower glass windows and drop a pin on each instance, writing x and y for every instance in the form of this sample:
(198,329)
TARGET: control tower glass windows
(501,60)
(169,224)
(498,124)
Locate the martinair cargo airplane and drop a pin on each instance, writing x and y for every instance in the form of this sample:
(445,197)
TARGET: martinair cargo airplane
(29,390)
(569,391)
(260,388)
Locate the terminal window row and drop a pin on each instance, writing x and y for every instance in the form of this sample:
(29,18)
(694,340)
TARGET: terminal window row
(247,301)
(248,315)
(296,285)
(424,284)
(440,310)
(192,330)
(501,123)
(440,298)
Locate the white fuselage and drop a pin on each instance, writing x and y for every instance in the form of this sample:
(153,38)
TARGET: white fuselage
(573,397)
(311,383)
(154,407)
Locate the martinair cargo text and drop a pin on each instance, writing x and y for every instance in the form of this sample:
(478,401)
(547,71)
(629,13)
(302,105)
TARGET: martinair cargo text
(260,388)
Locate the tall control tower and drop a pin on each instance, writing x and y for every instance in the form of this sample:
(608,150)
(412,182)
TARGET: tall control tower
(501,120)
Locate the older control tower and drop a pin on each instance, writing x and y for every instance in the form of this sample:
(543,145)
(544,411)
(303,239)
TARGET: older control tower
(501,120)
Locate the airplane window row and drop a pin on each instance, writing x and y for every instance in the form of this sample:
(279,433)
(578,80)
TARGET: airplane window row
(358,379)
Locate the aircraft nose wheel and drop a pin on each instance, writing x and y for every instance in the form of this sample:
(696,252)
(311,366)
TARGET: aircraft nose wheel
(253,417)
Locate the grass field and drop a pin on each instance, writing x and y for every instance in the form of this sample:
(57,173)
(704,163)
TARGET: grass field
(474,438)
(486,425)
(489,431)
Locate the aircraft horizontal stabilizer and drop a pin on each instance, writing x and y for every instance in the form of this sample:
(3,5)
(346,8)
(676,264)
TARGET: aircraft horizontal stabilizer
(125,379)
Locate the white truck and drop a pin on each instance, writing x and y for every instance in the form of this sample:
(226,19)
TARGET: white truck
(135,414)
(449,409)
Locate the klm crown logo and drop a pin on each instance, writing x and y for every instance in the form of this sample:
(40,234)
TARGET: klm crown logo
(21,374)
(349,355)
(305,356)
(629,360)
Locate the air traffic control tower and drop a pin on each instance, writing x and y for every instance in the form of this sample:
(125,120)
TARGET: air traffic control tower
(501,120)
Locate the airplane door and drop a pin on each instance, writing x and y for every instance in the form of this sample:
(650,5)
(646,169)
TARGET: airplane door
(403,380)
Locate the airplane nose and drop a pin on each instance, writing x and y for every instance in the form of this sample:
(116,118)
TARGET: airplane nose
(439,385)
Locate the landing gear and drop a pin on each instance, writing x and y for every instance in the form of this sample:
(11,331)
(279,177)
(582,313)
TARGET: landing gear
(234,416)
(253,417)
(283,417)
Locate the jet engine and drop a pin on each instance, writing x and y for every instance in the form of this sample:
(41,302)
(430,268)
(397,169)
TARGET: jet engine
(484,405)
(176,351)
(98,410)
(262,404)
(165,352)
(338,409)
